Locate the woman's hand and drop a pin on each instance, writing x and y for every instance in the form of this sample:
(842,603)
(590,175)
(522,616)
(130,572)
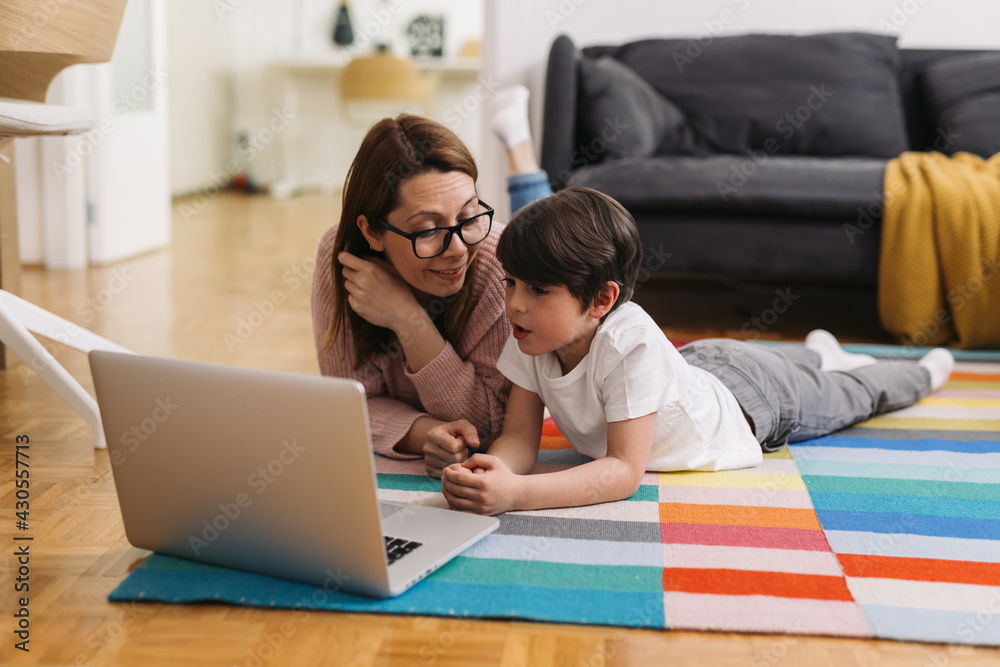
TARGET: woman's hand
(447,444)
(483,484)
(376,292)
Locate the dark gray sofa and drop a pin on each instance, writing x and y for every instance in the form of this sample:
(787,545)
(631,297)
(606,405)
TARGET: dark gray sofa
(809,208)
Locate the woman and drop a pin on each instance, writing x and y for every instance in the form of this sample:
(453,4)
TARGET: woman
(415,315)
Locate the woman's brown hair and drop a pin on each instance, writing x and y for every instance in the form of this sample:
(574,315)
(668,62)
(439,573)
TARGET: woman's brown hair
(393,150)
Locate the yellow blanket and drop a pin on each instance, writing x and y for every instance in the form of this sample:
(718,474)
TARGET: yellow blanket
(940,250)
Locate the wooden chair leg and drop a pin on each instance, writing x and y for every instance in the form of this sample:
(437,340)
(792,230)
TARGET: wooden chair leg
(10,256)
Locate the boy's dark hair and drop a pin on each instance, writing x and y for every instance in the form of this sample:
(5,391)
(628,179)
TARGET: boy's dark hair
(578,237)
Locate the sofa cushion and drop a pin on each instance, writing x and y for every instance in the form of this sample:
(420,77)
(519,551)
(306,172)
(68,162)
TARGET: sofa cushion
(829,95)
(963,93)
(760,246)
(799,185)
(622,109)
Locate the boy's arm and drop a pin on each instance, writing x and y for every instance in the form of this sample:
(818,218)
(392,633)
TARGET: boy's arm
(614,477)
(521,436)
(448,443)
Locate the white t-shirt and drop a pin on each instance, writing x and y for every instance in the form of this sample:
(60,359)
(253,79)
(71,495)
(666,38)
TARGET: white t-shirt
(631,371)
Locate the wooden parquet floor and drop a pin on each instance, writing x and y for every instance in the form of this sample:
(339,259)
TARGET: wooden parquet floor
(233,256)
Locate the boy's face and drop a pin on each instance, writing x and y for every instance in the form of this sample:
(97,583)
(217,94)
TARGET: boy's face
(549,319)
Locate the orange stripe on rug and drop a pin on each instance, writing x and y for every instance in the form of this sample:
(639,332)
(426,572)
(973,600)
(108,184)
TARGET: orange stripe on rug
(921,569)
(554,442)
(980,377)
(739,515)
(549,428)
(746,582)
(552,438)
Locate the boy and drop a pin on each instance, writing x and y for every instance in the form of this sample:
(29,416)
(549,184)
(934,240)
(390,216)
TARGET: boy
(622,394)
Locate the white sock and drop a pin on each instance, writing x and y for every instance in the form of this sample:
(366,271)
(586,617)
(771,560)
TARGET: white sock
(833,356)
(510,115)
(940,363)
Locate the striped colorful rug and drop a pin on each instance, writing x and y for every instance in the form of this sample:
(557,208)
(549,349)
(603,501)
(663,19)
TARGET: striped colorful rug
(890,529)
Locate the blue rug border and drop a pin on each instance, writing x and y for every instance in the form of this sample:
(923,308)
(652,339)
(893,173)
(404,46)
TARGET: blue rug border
(586,606)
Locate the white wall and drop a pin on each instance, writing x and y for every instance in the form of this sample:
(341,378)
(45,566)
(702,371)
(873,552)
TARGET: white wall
(198,59)
(220,56)
(519,33)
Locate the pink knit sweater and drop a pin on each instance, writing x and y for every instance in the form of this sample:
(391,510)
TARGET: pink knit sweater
(462,382)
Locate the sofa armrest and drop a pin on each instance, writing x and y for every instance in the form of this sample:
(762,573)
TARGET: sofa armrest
(559,121)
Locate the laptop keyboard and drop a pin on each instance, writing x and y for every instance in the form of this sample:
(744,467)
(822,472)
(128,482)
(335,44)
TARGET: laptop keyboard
(397,547)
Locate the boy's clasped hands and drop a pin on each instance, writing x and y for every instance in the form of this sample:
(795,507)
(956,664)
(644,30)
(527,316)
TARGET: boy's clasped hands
(482,483)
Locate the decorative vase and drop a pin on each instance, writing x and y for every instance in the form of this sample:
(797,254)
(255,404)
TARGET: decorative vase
(343,33)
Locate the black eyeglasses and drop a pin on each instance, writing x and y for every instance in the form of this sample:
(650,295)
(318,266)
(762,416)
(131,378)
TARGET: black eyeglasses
(432,242)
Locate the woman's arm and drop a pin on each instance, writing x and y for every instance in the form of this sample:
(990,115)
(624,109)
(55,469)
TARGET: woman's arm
(498,489)
(449,443)
(379,295)
(453,379)
(450,387)
(463,382)
(416,438)
(395,425)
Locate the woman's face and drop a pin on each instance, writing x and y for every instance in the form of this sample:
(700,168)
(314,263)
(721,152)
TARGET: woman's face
(432,199)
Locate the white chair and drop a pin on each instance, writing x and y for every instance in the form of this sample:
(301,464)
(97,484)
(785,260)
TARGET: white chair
(37,41)
(18,318)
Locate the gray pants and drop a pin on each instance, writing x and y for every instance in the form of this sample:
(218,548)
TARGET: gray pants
(790,399)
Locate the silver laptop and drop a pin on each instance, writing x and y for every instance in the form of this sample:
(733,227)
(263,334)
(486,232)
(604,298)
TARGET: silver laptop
(263,471)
